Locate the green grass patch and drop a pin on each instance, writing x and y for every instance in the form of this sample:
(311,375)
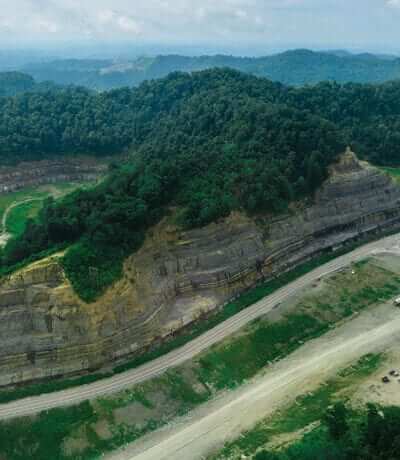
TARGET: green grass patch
(364,367)
(19,215)
(228,365)
(181,390)
(225,365)
(46,436)
(345,434)
(239,358)
(306,410)
(42,437)
(309,408)
(9,198)
(29,436)
(393,172)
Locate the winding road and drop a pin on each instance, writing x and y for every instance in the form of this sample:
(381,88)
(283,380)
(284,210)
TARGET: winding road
(194,437)
(4,236)
(107,386)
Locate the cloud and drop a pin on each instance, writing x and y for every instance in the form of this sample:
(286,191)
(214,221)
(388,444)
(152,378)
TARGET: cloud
(6,25)
(298,22)
(45,26)
(393,3)
(121,21)
(150,19)
(128,24)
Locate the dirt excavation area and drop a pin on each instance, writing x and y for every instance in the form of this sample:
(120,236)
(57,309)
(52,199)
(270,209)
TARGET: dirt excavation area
(374,330)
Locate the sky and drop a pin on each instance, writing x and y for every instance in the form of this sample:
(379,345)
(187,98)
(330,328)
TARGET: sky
(353,24)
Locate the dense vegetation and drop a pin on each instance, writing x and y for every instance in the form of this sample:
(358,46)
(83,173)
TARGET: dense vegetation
(367,115)
(12,83)
(296,67)
(184,112)
(374,435)
(206,143)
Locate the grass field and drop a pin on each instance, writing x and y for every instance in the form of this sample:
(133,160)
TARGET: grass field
(9,198)
(18,214)
(394,172)
(306,410)
(239,358)
(91,429)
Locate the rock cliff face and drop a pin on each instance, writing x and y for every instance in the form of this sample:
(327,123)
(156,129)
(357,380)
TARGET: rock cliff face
(45,330)
(30,174)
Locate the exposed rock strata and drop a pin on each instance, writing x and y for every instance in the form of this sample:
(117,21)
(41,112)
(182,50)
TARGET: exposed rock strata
(45,330)
(29,174)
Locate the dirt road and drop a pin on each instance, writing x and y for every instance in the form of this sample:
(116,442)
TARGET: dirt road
(303,371)
(4,235)
(154,368)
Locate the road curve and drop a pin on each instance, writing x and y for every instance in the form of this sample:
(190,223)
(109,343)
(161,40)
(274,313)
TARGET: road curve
(4,236)
(197,435)
(11,207)
(107,386)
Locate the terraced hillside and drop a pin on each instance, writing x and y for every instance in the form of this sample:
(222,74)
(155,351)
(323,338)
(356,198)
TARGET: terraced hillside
(177,276)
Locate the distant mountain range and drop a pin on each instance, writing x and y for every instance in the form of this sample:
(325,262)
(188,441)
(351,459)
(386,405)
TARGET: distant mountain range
(13,83)
(296,67)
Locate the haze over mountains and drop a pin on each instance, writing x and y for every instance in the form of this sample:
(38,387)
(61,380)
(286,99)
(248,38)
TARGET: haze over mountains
(199,229)
(296,67)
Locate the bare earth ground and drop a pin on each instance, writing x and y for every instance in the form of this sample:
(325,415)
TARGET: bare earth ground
(373,390)
(207,428)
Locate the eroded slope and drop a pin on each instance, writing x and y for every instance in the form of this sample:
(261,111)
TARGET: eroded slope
(46,330)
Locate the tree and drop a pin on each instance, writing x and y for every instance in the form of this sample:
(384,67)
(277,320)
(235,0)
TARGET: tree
(336,420)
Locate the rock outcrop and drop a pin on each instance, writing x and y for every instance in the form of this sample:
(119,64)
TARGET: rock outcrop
(30,174)
(46,330)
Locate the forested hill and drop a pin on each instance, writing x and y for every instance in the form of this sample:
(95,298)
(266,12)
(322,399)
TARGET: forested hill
(182,110)
(191,112)
(296,67)
(13,83)
(204,144)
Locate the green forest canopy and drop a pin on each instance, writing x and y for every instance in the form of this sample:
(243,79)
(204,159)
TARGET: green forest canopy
(13,83)
(208,143)
(75,120)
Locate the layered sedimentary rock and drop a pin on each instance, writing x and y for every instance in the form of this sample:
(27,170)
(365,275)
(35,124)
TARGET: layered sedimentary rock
(29,174)
(45,330)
